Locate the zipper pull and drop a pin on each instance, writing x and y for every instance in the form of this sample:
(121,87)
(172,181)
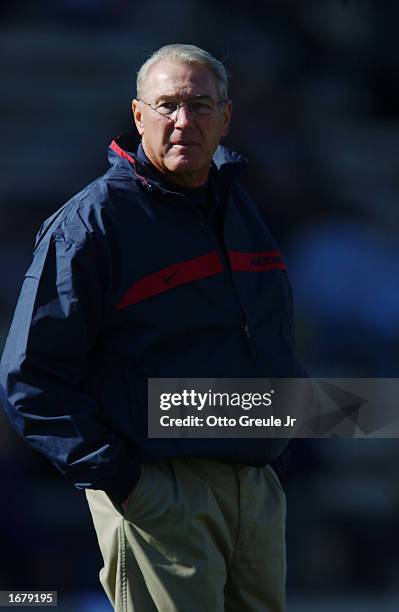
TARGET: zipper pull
(245,330)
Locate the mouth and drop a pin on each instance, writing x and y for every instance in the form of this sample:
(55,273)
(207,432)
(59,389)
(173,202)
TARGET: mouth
(183,144)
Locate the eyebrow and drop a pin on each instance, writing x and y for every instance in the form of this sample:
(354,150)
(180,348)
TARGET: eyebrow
(165,98)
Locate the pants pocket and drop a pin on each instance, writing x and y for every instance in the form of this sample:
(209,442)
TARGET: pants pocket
(274,476)
(135,492)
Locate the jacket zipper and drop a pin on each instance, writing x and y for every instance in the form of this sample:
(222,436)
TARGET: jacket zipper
(223,254)
(224,258)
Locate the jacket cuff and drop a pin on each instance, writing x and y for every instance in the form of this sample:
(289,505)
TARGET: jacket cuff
(119,487)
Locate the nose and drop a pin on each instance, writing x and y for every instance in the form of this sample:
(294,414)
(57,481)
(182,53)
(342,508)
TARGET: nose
(183,117)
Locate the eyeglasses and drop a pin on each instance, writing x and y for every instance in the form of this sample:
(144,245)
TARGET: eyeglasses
(196,107)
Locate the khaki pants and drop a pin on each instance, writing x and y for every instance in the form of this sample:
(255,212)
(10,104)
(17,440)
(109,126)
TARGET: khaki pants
(197,536)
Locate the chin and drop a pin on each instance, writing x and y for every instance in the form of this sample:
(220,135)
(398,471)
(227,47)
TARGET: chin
(184,165)
(191,158)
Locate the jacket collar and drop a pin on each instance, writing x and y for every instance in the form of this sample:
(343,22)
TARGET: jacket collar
(226,163)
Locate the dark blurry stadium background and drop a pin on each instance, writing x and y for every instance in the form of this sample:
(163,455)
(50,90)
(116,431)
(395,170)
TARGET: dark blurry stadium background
(316,110)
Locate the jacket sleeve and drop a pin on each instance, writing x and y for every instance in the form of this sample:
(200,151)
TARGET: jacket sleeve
(45,361)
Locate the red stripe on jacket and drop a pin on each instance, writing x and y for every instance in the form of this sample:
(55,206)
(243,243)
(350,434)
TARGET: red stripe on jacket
(256,262)
(172,276)
(119,151)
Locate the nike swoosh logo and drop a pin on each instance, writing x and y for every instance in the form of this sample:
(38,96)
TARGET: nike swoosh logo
(167,279)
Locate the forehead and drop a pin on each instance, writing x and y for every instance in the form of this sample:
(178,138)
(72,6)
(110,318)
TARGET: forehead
(167,78)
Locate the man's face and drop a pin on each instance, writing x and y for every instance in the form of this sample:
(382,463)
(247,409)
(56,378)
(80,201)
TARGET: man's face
(181,148)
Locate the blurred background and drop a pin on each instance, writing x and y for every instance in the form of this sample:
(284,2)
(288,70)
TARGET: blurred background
(316,111)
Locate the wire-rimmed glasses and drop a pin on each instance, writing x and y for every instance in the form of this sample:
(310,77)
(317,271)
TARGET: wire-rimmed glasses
(197,107)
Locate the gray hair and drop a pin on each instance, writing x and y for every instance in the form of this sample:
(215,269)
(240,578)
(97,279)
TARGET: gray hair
(186,54)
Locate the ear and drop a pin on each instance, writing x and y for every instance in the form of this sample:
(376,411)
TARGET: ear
(138,116)
(226,118)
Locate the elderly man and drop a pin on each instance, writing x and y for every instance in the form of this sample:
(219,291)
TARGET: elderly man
(161,268)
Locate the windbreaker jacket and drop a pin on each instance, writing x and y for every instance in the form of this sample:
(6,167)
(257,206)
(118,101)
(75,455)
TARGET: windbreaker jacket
(129,281)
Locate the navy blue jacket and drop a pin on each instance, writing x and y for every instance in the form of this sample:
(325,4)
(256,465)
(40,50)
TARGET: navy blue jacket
(129,281)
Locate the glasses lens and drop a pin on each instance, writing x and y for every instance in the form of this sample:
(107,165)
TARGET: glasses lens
(200,108)
(167,108)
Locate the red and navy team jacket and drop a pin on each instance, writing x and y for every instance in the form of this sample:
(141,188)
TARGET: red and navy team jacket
(127,282)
